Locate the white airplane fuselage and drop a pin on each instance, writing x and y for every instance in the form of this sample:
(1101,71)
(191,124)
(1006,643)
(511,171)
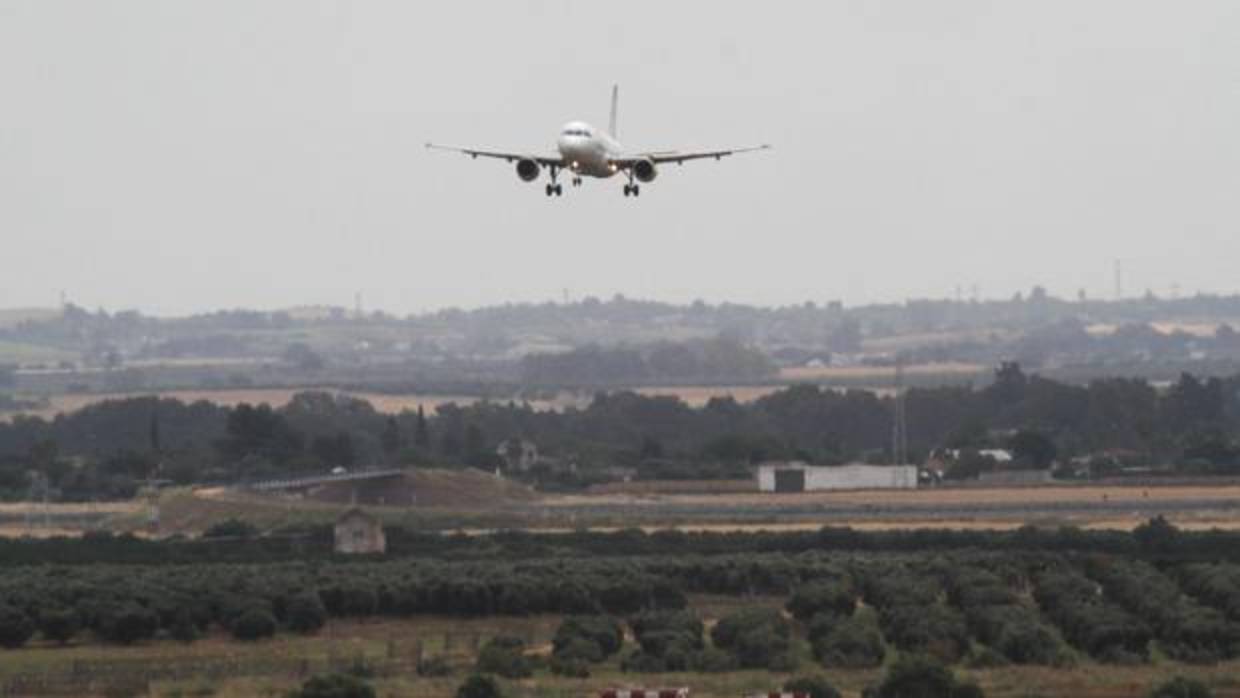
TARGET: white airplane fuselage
(588,151)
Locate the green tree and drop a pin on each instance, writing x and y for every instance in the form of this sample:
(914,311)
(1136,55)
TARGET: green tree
(915,676)
(254,624)
(15,627)
(59,624)
(305,613)
(129,623)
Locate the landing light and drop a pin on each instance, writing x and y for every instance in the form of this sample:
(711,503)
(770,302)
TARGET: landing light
(575,165)
(612,166)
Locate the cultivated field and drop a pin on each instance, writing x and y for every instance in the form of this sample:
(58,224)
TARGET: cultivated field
(223,668)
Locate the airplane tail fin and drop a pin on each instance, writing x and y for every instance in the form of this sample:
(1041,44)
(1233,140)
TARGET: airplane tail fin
(615,99)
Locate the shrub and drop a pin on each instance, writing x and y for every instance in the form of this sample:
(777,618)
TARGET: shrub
(579,649)
(231,528)
(183,628)
(813,686)
(254,624)
(334,686)
(59,624)
(711,661)
(572,668)
(305,613)
(15,627)
(758,638)
(504,656)
(851,644)
(604,632)
(1180,687)
(917,676)
(128,624)
(830,597)
(434,667)
(479,686)
(730,628)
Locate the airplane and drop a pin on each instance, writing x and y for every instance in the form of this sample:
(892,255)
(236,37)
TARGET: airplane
(586,151)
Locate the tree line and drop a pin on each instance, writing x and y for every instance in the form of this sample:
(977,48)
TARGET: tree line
(106,449)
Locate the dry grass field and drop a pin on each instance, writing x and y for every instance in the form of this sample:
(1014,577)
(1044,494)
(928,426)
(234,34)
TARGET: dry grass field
(880,373)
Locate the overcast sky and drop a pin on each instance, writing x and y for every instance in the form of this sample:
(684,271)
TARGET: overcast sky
(187,156)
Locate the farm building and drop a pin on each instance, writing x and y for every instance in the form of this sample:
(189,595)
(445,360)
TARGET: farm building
(796,476)
(359,533)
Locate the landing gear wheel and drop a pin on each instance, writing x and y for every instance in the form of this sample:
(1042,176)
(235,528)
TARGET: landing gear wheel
(636,190)
(549,190)
(628,189)
(576,181)
(559,190)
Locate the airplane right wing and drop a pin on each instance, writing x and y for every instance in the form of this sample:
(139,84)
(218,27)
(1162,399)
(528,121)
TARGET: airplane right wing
(679,158)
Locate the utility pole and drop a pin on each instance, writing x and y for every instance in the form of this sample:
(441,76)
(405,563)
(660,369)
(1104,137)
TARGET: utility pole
(899,426)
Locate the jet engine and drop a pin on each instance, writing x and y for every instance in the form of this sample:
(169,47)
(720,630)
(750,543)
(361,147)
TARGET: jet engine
(528,169)
(644,170)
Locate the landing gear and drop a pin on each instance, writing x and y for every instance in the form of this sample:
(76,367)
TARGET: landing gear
(554,189)
(631,189)
(576,181)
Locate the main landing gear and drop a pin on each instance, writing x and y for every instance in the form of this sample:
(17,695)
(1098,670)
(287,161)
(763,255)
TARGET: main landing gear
(554,189)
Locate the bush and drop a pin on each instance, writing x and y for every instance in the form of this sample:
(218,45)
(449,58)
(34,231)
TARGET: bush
(504,656)
(479,686)
(851,644)
(128,624)
(834,598)
(305,613)
(711,661)
(757,637)
(729,629)
(231,528)
(603,632)
(254,624)
(334,686)
(15,627)
(572,668)
(1180,687)
(581,650)
(183,628)
(813,686)
(915,676)
(59,624)
(434,667)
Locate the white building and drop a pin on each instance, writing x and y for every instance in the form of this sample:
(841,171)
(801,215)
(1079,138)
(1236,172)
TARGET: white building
(796,476)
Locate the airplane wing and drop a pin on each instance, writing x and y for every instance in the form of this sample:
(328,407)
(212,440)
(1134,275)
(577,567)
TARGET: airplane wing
(662,156)
(543,160)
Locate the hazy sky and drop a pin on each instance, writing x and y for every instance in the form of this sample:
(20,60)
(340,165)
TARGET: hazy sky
(184,156)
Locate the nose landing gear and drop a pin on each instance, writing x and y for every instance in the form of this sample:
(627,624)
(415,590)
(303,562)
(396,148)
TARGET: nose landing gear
(632,190)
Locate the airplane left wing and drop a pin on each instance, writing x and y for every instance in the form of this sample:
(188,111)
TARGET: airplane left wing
(543,160)
(679,158)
